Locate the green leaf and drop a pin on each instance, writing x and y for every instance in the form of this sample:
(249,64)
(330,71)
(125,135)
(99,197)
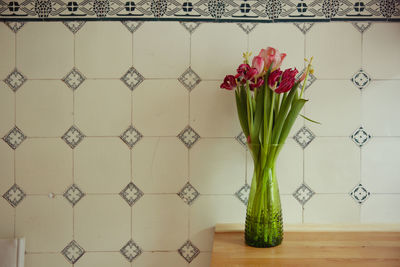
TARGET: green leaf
(290,119)
(258,116)
(242,113)
(310,119)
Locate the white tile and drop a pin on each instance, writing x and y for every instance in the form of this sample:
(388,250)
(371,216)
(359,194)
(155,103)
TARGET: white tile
(45,50)
(322,106)
(46,259)
(334,58)
(202,260)
(383,208)
(7,219)
(102,222)
(44,108)
(155,259)
(291,210)
(289,167)
(338,208)
(102,259)
(102,165)
(210,210)
(380,165)
(217,49)
(220,118)
(7,106)
(160,107)
(161,50)
(43,166)
(160,222)
(102,107)
(332,165)
(217,166)
(6,167)
(271,34)
(381,108)
(45,222)
(7,51)
(103,49)
(381,55)
(160,165)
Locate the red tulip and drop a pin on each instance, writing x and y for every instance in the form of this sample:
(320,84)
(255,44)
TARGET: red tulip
(287,81)
(256,83)
(245,72)
(229,82)
(274,77)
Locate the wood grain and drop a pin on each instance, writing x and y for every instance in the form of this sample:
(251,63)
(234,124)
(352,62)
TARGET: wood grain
(310,249)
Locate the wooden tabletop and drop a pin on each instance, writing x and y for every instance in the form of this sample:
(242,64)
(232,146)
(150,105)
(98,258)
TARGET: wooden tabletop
(310,249)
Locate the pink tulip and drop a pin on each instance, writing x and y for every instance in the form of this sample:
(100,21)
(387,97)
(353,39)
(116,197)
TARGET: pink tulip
(258,64)
(229,82)
(274,77)
(287,81)
(272,58)
(302,77)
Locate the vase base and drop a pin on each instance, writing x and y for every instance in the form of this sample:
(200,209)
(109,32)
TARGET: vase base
(264,234)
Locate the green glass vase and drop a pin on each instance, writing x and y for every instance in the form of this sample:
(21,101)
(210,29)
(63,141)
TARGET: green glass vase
(264,225)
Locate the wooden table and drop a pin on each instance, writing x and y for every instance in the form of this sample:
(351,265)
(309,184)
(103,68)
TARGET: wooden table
(311,248)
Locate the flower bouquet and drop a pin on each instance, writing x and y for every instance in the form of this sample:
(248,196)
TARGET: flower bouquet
(268,102)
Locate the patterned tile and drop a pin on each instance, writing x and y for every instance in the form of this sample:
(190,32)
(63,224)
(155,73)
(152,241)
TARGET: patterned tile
(131,250)
(190,26)
(73,194)
(14,195)
(362,26)
(310,80)
(360,193)
(14,137)
(15,26)
(131,193)
(303,194)
(189,79)
(304,137)
(15,80)
(243,194)
(361,79)
(131,136)
(247,27)
(189,251)
(132,78)
(189,136)
(360,136)
(74,79)
(132,26)
(241,138)
(188,194)
(304,27)
(73,136)
(74,26)
(72,252)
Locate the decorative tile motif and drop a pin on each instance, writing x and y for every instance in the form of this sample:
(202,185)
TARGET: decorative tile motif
(14,195)
(101,7)
(43,8)
(303,194)
(360,136)
(304,27)
(216,8)
(74,26)
(361,79)
(190,26)
(310,80)
(131,193)
(274,8)
(73,194)
(74,79)
(15,80)
(15,26)
(359,193)
(330,8)
(72,252)
(189,251)
(132,26)
(132,78)
(73,136)
(188,193)
(189,79)
(189,136)
(243,194)
(241,138)
(387,7)
(304,137)
(362,26)
(247,27)
(131,250)
(14,137)
(131,136)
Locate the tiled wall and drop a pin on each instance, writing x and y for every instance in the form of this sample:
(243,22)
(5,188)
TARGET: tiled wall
(119,145)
